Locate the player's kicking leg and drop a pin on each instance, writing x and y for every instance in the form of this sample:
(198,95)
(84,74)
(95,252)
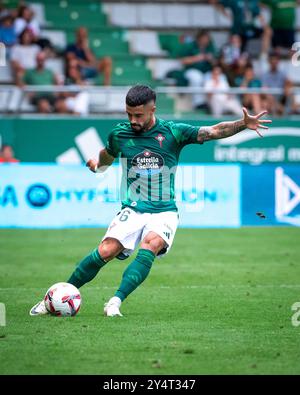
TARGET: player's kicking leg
(87,269)
(136,272)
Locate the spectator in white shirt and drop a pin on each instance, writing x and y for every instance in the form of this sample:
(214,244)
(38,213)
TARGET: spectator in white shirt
(25,20)
(221,102)
(23,55)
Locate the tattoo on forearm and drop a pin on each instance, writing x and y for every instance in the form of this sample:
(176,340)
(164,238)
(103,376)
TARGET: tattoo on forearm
(226,129)
(221,130)
(204,134)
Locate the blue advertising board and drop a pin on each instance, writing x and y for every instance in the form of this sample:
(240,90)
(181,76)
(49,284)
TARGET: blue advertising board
(271,195)
(58,196)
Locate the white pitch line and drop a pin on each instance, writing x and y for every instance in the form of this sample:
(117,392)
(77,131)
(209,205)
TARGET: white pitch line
(252,286)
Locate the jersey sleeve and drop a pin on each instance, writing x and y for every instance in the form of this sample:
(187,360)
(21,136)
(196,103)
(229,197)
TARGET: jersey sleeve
(186,134)
(112,145)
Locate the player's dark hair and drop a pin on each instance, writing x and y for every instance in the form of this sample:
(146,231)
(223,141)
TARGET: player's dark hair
(140,95)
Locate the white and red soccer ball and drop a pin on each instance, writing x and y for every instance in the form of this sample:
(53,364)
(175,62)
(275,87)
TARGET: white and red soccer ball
(63,300)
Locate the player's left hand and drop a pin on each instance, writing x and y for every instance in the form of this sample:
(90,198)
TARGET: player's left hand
(254,122)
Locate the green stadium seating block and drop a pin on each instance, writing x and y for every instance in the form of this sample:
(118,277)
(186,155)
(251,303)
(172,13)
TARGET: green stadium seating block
(171,42)
(104,44)
(75,16)
(164,104)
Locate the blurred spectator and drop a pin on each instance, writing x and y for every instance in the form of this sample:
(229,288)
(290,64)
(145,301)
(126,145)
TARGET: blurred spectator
(25,20)
(200,54)
(232,57)
(40,76)
(275,78)
(89,65)
(247,21)
(249,80)
(222,102)
(7,154)
(73,74)
(7,33)
(76,104)
(73,103)
(283,22)
(198,58)
(23,55)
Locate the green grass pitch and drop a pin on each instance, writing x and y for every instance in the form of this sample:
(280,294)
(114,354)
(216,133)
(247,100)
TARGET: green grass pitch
(219,303)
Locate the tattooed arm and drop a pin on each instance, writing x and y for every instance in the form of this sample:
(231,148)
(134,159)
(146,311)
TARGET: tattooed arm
(227,129)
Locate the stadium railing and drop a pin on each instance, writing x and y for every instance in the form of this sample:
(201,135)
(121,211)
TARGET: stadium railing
(110,99)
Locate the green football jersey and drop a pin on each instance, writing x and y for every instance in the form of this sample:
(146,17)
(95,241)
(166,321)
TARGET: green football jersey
(149,161)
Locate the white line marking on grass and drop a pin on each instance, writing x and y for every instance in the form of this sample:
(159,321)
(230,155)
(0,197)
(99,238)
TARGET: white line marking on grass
(204,286)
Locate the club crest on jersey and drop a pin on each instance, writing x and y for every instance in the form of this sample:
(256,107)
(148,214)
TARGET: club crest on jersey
(160,138)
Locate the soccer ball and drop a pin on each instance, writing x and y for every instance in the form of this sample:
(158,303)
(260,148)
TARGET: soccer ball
(63,299)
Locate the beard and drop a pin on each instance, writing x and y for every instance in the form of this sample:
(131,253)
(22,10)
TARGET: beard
(138,129)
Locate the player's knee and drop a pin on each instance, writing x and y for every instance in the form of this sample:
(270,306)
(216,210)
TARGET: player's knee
(155,244)
(109,249)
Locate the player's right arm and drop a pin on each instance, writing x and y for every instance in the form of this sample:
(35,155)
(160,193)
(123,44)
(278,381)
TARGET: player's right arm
(107,154)
(100,165)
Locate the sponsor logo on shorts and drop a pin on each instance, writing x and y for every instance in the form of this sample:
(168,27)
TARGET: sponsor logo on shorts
(167,234)
(112,225)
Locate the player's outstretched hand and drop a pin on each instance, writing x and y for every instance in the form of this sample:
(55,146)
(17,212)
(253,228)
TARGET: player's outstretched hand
(92,164)
(254,122)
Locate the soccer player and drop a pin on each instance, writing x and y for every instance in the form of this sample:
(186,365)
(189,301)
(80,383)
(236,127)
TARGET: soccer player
(149,148)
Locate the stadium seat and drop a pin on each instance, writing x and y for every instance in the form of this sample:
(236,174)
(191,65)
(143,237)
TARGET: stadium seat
(171,43)
(75,16)
(177,15)
(56,37)
(39,13)
(165,104)
(4,98)
(6,75)
(151,15)
(107,102)
(26,107)
(260,66)
(108,44)
(145,43)
(18,101)
(222,22)
(203,15)
(219,38)
(160,67)
(118,11)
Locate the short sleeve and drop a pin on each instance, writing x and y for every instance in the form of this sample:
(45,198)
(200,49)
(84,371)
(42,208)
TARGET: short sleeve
(112,146)
(186,134)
